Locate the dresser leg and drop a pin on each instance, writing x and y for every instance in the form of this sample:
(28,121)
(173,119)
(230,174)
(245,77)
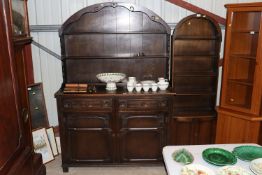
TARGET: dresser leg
(65,169)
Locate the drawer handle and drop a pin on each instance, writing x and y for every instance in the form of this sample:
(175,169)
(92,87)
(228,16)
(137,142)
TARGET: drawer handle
(122,105)
(144,104)
(232,100)
(36,108)
(163,104)
(89,105)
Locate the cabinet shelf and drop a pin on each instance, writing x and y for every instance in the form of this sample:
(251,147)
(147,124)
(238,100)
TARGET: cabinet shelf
(115,57)
(196,37)
(195,93)
(195,74)
(245,31)
(115,33)
(197,55)
(241,82)
(246,56)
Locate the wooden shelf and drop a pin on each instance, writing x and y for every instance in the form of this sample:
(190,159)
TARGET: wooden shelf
(246,56)
(241,82)
(116,57)
(115,33)
(196,37)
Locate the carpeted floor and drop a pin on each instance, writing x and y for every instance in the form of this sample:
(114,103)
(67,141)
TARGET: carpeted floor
(54,168)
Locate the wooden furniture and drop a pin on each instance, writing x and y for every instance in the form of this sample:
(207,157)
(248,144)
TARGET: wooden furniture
(174,167)
(16,150)
(239,113)
(113,127)
(196,45)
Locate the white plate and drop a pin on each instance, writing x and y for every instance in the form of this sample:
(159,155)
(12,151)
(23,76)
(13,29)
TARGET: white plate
(196,169)
(256,166)
(233,170)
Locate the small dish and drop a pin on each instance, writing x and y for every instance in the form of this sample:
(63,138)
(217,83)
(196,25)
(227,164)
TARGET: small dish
(232,170)
(163,85)
(219,157)
(196,169)
(183,156)
(248,152)
(256,166)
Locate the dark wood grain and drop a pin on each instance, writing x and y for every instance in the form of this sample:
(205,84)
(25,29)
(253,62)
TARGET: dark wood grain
(16,147)
(196,45)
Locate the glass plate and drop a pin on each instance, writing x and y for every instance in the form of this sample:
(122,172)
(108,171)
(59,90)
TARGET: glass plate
(218,156)
(256,166)
(248,153)
(183,156)
(233,170)
(196,169)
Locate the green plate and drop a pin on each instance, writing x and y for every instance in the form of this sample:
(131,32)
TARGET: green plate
(248,153)
(183,156)
(219,157)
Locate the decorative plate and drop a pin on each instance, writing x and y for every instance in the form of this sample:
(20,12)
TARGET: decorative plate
(233,170)
(110,77)
(248,153)
(183,156)
(195,169)
(218,156)
(256,166)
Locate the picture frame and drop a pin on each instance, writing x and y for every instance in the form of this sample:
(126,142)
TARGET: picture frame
(38,112)
(52,140)
(42,145)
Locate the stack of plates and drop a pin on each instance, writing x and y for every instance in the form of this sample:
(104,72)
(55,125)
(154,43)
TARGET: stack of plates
(256,166)
(232,170)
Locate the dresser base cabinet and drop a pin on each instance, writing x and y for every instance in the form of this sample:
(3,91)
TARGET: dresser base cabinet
(237,127)
(112,129)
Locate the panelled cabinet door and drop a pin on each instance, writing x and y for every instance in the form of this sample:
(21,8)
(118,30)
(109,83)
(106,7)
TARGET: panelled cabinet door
(89,138)
(141,137)
(241,89)
(192,130)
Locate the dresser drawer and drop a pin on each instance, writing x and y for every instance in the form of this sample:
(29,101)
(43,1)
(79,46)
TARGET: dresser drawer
(130,120)
(143,104)
(88,120)
(87,104)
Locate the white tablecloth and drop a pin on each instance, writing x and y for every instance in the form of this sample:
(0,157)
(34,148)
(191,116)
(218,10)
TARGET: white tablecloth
(174,168)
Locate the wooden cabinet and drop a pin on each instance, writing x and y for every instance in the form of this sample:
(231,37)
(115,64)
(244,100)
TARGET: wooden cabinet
(118,128)
(193,130)
(240,106)
(16,148)
(196,45)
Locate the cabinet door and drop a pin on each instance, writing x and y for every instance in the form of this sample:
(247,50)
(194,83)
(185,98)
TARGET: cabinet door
(241,83)
(12,142)
(141,137)
(89,138)
(192,130)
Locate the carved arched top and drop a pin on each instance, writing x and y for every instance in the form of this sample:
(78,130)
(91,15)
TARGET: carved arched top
(114,17)
(198,25)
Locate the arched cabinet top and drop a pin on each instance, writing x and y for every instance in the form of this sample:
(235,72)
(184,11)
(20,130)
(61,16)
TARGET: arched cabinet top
(112,17)
(198,26)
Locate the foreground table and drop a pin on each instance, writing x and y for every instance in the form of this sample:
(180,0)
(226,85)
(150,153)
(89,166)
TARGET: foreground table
(174,168)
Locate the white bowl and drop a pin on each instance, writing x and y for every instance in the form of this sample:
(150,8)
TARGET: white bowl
(138,87)
(163,85)
(146,87)
(154,87)
(130,88)
(110,77)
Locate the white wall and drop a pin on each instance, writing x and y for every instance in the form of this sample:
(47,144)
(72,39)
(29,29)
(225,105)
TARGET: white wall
(47,69)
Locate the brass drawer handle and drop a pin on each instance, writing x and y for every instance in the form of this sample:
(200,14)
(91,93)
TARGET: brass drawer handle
(145,105)
(232,100)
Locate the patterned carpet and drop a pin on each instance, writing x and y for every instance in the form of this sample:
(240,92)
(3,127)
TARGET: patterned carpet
(54,168)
